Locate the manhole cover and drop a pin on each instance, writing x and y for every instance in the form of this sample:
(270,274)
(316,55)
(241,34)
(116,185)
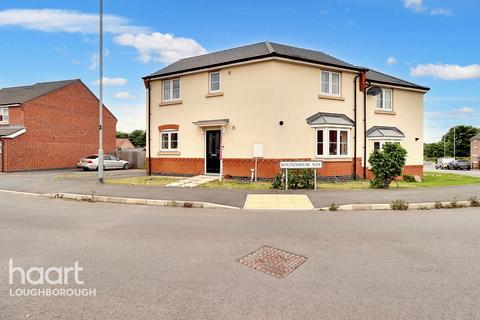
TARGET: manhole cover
(273,261)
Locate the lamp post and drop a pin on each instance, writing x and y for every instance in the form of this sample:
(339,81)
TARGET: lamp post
(100,106)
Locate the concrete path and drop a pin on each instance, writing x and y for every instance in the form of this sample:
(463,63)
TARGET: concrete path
(85,183)
(192,182)
(175,263)
(278,202)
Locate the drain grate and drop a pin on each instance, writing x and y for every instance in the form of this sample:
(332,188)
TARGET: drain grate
(275,262)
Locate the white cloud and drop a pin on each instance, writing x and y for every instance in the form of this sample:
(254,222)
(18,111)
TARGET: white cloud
(130,117)
(162,47)
(464,111)
(447,71)
(391,61)
(59,20)
(111,81)
(95,59)
(123,95)
(419,7)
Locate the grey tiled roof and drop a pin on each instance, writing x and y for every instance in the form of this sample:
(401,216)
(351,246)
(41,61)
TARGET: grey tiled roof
(379,77)
(476,137)
(271,49)
(250,52)
(23,94)
(330,118)
(384,132)
(9,129)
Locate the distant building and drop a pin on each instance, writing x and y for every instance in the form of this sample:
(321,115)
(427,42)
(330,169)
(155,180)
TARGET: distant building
(475,151)
(50,125)
(123,144)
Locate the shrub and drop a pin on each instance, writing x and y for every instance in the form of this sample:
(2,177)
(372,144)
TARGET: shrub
(387,164)
(409,178)
(399,205)
(474,201)
(297,179)
(438,205)
(333,207)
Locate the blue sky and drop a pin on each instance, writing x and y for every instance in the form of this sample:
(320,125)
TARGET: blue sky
(429,42)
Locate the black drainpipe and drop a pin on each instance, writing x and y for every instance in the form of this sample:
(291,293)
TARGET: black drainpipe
(365,130)
(3,155)
(355,128)
(147,85)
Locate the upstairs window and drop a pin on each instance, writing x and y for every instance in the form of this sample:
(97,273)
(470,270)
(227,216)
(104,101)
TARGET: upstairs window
(3,115)
(330,83)
(384,100)
(214,82)
(169,140)
(171,90)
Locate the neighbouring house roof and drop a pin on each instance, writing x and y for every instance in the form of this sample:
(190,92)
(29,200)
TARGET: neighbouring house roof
(211,123)
(123,142)
(268,50)
(9,130)
(19,95)
(324,118)
(384,132)
(476,137)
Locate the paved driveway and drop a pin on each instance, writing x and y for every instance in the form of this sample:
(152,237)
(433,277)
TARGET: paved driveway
(174,263)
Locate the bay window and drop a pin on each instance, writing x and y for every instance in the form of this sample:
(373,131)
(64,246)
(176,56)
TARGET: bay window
(330,83)
(171,90)
(384,100)
(333,142)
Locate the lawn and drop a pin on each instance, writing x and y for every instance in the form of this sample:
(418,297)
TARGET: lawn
(142,181)
(430,179)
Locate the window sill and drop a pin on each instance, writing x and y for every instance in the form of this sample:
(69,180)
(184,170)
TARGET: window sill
(334,159)
(325,96)
(385,112)
(214,94)
(168,153)
(169,103)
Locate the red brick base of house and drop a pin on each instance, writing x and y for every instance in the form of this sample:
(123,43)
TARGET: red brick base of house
(267,168)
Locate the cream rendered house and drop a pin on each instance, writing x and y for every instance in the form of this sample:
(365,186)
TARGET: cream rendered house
(206,113)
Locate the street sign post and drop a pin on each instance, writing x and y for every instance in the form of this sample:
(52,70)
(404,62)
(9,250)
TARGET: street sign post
(314,165)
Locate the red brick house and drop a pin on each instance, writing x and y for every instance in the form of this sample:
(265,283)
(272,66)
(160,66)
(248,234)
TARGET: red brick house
(475,151)
(50,125)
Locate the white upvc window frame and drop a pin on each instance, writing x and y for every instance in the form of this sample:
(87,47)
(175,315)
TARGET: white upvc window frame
(475,144)
(168,133)
(4,111)
(381,98)
(330,83)
(326,141)
(383,141)
(170,96)
(210,82)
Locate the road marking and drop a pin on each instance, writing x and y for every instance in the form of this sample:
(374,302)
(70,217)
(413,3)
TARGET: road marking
(278,202)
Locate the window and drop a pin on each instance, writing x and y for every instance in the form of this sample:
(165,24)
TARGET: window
(384,100)
(475,144)
(378,145)
(214,82)
(3,115)
(171,90)
(169,140)
(330,83)
(332,142)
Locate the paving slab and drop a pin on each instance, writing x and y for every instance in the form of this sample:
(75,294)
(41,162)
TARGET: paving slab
(278,202)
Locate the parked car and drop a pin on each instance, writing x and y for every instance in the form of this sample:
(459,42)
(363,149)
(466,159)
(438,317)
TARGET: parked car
(459,165)
(442,163)
(109,162)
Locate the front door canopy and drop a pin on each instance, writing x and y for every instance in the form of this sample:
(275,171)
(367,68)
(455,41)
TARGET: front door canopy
(325,118)
(385,132)
(211,123)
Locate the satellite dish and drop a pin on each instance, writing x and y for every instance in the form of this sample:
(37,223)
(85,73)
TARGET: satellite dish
(374,91)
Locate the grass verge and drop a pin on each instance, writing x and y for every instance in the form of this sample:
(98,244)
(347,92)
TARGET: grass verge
(142,181)
(236,184)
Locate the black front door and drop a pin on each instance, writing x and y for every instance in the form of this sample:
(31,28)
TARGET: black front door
(213,151)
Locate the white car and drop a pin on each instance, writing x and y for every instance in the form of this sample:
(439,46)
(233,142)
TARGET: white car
(109,162)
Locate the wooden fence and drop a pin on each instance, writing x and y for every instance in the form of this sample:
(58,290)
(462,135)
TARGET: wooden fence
(136,157)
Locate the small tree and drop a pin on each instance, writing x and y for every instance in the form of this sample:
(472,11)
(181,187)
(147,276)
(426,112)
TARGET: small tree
(387,164)
(138,138)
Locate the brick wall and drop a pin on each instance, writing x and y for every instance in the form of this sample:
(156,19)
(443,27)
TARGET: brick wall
(61,127)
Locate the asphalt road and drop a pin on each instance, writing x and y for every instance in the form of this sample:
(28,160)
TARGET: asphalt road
(176,263)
